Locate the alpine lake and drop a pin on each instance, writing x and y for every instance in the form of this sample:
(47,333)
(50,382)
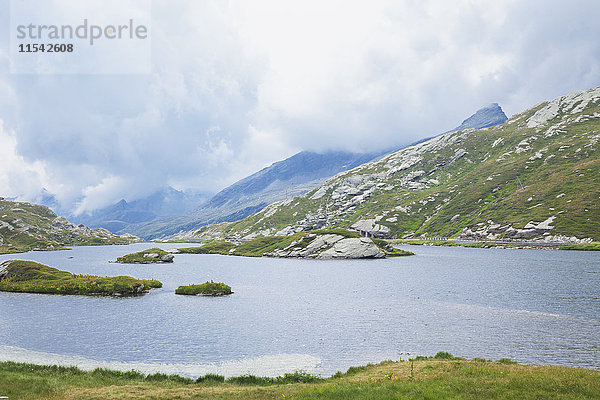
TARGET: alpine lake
(532,306)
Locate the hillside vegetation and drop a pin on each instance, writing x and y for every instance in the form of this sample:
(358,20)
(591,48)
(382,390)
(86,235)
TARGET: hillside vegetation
(533,177)
(26,226)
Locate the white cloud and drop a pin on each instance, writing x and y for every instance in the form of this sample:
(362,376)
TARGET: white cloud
(237,85)
(108,191)
(18,178)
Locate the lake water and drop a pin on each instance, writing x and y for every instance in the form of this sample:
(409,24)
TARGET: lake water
(533,306)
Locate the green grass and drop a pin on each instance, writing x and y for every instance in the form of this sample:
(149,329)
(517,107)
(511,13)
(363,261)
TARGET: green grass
(391,251)
(398,253)
(141,257)
(206,288)
(440,377)
(32,277)
(427,242)
(220,247)
(584,247)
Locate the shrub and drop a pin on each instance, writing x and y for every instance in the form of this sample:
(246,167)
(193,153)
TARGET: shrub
(355,370)
(251,380)
(109,373)
(211,378)
(506,361)
(298,377)
(444,355)
(206,288)
(160,377)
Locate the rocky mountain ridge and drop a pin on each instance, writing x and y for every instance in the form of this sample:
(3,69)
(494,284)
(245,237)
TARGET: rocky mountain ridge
(485,117)
(293,176)
(535,176)
(120,216)
(26,226)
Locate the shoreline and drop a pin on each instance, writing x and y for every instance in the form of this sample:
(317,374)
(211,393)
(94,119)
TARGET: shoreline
(482,244)
(439,376)
(594,246)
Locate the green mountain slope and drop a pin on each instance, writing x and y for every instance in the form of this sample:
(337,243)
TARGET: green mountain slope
(26,226)
(536,176)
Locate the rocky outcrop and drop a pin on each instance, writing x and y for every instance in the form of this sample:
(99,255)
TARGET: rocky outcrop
(154,257)
(330,246)
(317,244)
(483,118)
(572,103)
(538,231)
(26,226)
(352,248)
(369,228)
(4,268)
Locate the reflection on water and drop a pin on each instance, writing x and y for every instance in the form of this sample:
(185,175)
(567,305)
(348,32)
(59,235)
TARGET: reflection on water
(532,306)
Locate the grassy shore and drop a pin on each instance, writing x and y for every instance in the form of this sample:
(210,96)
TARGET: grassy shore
(582,246)
(440,377)
(33,277)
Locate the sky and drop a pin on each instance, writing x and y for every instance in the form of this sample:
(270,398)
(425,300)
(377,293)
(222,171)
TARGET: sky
(233,86)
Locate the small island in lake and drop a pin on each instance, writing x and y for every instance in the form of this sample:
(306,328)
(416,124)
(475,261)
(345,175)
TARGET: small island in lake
(319,244)
(32,277)
(205,289)
(150,256)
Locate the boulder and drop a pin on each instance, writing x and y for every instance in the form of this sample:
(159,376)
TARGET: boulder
(4,268)
(320,242)
(352,248)
(167,258)
(370,228)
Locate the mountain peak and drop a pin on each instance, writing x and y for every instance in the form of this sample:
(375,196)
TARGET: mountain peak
(485,117)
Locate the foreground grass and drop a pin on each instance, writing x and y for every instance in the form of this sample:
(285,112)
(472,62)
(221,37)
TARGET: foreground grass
(440,377)
(33,277)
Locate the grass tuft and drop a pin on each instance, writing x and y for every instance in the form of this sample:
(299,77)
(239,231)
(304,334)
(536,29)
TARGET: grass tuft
(207,288)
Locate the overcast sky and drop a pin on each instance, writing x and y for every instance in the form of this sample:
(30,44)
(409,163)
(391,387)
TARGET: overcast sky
(237,85)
